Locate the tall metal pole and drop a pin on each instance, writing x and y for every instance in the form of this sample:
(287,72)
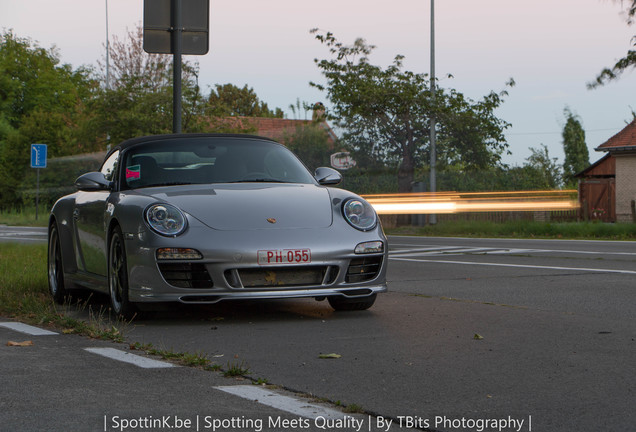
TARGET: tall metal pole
(107,51)
(433,187)
(107,69)
(176,66)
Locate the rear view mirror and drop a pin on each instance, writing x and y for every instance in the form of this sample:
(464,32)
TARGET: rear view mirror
(92,181)
(327,176)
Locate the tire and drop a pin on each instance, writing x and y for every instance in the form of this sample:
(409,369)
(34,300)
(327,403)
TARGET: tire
(342,303)
(118,277)
(55,266)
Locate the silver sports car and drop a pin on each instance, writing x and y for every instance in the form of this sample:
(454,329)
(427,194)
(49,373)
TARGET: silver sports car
(200,218)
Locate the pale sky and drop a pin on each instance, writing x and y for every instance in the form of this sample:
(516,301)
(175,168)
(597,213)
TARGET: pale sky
(551,48)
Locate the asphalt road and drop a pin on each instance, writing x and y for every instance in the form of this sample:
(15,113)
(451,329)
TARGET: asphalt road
(22,234)
(472,330)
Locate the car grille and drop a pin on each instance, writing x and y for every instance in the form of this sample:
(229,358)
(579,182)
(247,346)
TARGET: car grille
(186,275)
(281,277)
(363,269)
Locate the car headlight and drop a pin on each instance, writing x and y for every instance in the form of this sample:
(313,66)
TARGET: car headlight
(359,214)
(166,219)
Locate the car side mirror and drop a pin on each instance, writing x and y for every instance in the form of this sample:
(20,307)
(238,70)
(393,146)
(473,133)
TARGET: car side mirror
(327,176)
(92,181)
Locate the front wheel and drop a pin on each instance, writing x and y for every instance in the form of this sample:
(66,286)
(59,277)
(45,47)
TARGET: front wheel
(342,303)
(55,269)
(118,276)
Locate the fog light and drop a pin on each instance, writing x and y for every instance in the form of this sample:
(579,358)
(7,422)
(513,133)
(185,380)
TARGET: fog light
(178,253)
(370,247)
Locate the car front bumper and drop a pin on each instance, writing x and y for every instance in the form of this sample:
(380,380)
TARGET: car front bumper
(229,267)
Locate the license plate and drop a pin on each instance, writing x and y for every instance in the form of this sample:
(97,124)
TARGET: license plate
(284,256)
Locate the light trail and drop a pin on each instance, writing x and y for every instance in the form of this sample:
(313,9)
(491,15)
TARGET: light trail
(460,202)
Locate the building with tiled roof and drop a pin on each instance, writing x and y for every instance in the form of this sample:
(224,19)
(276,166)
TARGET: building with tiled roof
(622,148)
(624,141)
(278,129)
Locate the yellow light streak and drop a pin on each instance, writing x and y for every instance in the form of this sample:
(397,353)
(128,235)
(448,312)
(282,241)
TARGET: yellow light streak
(455,202)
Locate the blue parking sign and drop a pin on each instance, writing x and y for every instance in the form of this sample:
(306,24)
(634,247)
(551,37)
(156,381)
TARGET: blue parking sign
(38,155)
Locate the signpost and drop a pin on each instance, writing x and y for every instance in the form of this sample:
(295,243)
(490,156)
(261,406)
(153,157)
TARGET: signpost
(176,27)
(38,160)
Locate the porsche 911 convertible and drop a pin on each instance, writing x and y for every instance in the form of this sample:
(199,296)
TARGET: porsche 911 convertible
(201,218)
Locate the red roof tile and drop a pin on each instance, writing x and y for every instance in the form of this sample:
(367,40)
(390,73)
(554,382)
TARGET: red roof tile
(275,128)
(624,140)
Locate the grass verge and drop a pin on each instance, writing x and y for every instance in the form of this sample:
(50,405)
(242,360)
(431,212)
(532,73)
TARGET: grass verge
(25,217)
(523,229)
(24,295)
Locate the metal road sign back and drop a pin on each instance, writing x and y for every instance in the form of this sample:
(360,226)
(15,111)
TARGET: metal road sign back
(159,16)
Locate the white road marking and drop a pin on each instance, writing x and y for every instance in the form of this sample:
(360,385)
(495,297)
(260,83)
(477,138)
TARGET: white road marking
(27,329)
(428,249)
(441,251)
(289,404)
(142,362)
(516,265)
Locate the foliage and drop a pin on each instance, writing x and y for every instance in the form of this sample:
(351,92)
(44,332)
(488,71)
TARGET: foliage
(546,168)
(40,102)
(625,63)
(385,113)
(58,179)
(310,142)
(229,100)
(577,156)
(137,99)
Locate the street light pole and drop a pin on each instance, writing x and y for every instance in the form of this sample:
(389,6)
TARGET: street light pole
(433,182)
(177,32)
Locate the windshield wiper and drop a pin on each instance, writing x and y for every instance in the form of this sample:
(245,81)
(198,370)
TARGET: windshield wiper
(176,183)
(259,180)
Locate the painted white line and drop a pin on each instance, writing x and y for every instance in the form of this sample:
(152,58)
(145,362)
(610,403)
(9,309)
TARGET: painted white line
(461,251)
(517,266)
(284,403)
(25,328)
(142,362)
(423,249)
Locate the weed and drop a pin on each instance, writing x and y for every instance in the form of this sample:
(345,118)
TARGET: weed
(353,409)
(236,369)
(184,358)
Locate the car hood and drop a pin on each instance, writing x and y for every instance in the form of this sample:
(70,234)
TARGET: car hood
(245,206)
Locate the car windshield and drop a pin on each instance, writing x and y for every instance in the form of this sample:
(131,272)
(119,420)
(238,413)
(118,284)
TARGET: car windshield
(201,160)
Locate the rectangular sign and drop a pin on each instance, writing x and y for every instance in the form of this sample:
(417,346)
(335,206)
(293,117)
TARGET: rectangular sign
(159,17)
(38,155)
(285,256)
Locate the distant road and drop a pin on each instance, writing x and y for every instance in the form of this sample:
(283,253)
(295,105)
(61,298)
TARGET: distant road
(22,234)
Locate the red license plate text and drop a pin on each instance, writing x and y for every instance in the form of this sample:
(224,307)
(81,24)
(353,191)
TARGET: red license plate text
(284,256)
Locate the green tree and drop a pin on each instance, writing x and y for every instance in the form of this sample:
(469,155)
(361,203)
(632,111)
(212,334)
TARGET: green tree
(385,113)
(577,156)
(625,63)
(137,99)
(544,169)
(310,142)
(229,100)
(41,101)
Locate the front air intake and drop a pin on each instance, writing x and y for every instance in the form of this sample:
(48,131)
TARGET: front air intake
(363,269)
(186,275)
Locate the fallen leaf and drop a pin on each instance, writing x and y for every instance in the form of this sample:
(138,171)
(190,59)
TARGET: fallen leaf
(478,336)
(22,344)
(329,356)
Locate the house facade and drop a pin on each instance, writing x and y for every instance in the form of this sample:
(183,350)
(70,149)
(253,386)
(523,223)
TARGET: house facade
(622,147)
